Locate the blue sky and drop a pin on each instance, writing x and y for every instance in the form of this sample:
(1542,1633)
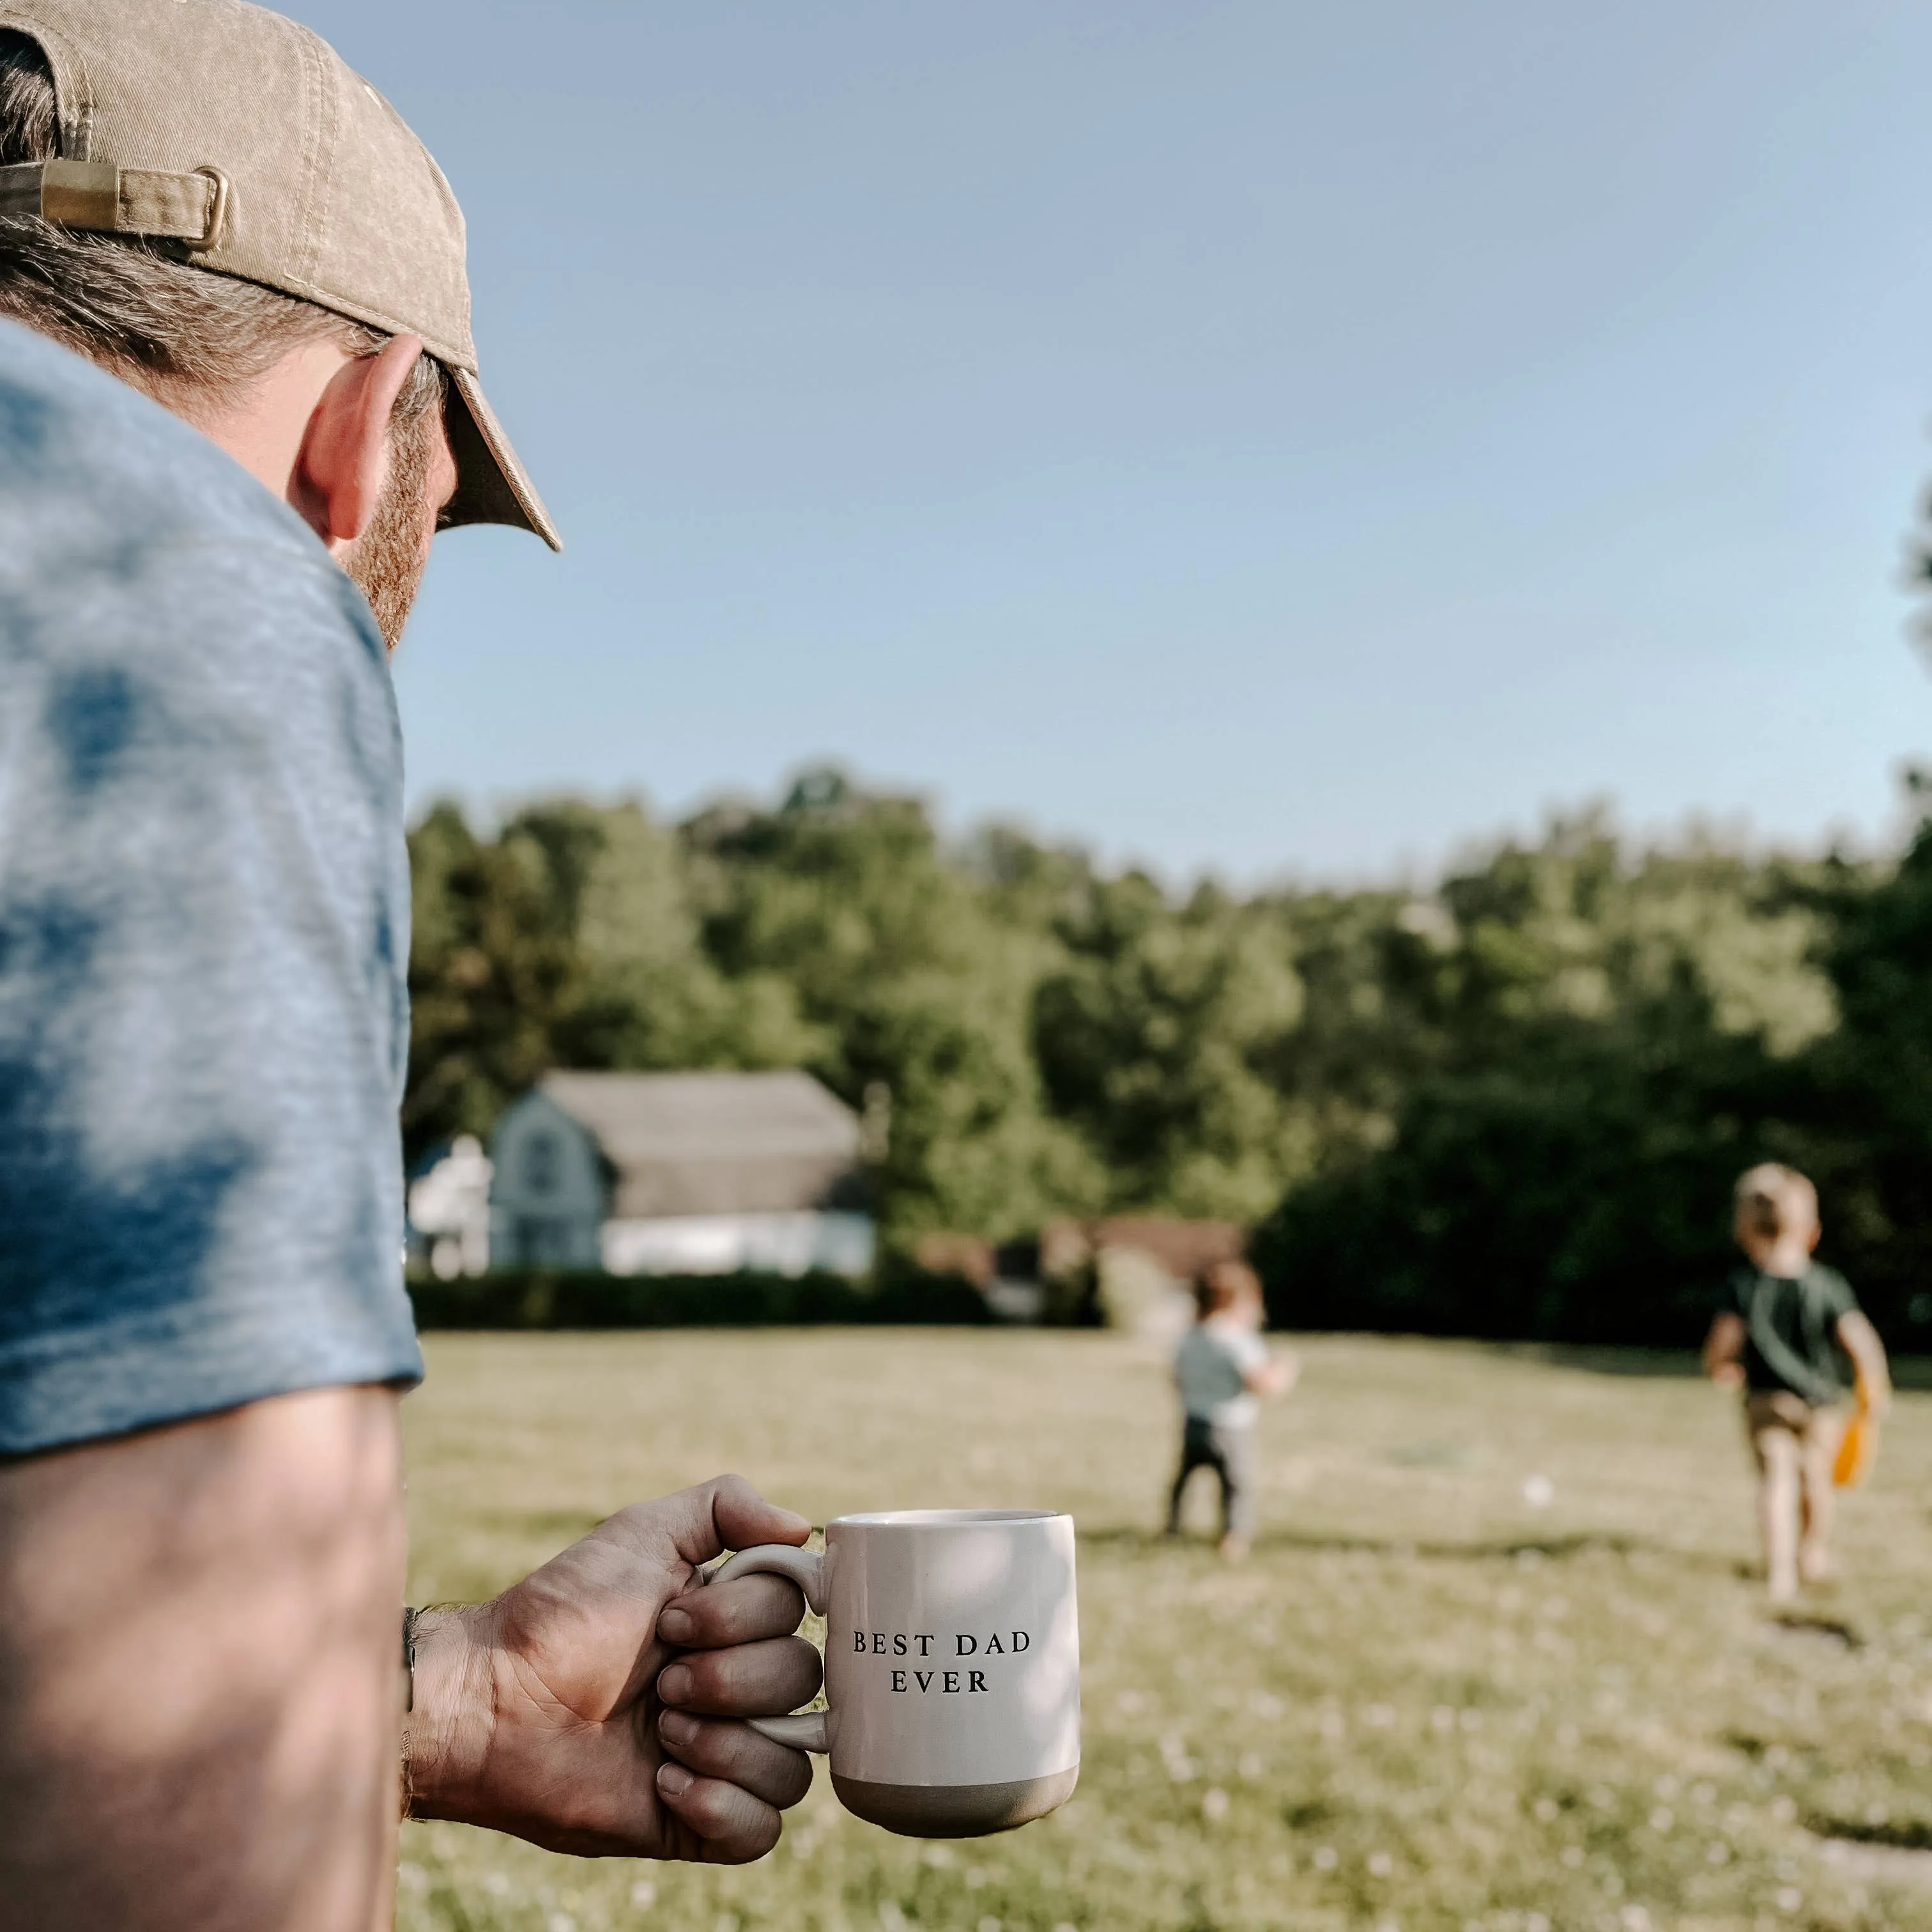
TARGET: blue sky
(1282,439)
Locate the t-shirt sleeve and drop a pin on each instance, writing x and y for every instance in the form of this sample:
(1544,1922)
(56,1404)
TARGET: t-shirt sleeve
(1249,1352)
(1835,1292)
(203,1008)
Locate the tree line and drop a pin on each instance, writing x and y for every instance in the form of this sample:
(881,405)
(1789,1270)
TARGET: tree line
(1511,1105)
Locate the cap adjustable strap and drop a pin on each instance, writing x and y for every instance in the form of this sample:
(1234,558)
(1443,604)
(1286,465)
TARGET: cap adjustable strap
(191,208)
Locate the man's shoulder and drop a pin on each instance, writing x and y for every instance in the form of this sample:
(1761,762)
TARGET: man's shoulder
(131,535)
(202,1038)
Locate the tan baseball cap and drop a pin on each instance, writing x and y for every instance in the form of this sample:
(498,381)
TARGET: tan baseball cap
(241,135)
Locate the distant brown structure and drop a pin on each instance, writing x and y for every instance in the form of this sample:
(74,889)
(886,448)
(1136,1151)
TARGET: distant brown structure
(964,1254)
(1180,1249)
(1129,1270)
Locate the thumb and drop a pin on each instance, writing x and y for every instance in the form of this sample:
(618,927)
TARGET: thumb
(728,1514)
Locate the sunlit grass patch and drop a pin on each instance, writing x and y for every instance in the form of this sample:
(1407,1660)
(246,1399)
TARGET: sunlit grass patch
(1438,1697)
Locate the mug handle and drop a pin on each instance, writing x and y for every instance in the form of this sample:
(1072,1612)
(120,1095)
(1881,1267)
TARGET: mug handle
(805,1730)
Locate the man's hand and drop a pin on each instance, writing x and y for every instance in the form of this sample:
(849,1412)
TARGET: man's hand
(582,1709)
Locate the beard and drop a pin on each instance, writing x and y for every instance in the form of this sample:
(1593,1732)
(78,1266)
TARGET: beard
(387,561)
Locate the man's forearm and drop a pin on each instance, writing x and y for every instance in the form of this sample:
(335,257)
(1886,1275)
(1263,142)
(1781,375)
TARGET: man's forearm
(198,1686)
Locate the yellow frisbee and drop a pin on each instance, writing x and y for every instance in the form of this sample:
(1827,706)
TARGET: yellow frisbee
(1859,1447)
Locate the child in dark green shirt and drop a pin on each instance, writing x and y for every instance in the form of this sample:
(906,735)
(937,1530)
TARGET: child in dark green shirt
(1776,1337)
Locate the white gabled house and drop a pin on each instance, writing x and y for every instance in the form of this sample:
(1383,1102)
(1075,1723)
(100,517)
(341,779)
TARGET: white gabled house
(680,1173)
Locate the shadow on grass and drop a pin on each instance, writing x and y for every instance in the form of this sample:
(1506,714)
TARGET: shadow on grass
(1667,1364)
(1908,1834)
(1512,1550)
(1913,1372)
(1817,1623)
(561,1527)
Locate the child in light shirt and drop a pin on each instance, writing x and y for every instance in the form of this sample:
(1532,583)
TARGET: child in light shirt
(1222,1370)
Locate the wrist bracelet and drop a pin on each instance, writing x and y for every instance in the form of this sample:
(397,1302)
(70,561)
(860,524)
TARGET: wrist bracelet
(408,1660)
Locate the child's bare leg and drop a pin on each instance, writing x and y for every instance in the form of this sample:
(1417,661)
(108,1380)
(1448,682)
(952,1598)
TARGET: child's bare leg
(1234,1465)
(1232,1543)
(1818,1497)
(1777,1451)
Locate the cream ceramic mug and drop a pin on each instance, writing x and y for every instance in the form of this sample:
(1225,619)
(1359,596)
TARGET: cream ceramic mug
(952,1666)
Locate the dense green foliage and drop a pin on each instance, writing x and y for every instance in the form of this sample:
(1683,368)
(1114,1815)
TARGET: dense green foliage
(1611,1044)
(1512,1105)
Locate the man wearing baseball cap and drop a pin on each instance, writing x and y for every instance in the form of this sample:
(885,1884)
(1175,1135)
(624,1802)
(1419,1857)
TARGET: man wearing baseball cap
(238,394)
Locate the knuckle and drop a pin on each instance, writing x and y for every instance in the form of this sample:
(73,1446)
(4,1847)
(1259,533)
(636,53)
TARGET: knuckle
(754,1672)
(710,1613)
(797,1781)
(751,1663)
(728,1811)
(756,1833)
(776,1611)
(729,1489)
(745,1610)
(777,1592)
(718,1747)
(712,1674)
(774,1773)
(742,1605)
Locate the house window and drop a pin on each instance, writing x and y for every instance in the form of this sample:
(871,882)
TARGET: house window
(543,1163)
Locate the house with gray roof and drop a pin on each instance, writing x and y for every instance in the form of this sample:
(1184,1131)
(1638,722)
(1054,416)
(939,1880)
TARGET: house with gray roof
(680,1173)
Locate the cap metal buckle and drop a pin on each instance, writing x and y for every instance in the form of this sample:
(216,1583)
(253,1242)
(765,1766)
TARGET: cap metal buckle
(217,214)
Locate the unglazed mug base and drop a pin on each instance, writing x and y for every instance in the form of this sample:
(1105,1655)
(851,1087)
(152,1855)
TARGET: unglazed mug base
(955,1811)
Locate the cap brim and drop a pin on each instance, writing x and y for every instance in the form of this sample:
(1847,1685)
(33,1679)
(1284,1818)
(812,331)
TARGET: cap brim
(492,487)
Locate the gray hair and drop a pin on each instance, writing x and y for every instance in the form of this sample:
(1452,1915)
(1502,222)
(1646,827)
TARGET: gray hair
(138,307)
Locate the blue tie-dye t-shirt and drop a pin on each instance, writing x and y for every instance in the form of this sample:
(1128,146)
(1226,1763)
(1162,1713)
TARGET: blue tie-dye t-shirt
(204,928)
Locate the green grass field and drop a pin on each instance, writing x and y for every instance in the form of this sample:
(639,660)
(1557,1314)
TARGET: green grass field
(1427,1702)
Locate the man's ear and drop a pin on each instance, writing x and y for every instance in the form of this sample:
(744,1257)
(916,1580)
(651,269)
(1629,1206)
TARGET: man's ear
(344,461)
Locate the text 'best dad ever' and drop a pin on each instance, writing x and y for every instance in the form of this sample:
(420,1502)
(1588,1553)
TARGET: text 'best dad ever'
(919,1643)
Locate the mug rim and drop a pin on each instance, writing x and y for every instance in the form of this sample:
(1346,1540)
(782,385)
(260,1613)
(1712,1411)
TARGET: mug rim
(940,1519)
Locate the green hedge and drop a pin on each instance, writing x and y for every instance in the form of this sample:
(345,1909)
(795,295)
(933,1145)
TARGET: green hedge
(555,1298)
